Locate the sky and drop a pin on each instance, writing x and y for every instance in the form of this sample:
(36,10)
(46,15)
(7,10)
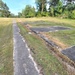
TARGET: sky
(16,6)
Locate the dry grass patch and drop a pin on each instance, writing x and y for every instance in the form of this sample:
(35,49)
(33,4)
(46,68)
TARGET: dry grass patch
(50,19)
(6,47)
(55,40)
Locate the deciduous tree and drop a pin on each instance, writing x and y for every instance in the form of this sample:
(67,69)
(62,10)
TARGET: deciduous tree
(4,10)
(28,11)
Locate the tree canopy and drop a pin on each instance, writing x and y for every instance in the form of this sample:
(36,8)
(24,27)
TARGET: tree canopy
(41,5)
(57,8)
(27,12)
(4,9)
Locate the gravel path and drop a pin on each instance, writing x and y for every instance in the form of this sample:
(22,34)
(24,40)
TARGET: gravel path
(23,62)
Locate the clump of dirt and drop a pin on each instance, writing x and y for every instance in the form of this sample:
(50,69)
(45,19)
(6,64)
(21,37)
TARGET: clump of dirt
(28,25)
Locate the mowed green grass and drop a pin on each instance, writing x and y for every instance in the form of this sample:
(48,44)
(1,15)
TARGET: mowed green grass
(6,47)
(50,65)
(67,37)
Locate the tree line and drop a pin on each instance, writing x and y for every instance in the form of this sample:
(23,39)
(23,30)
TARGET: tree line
(56,8)
(44,8)
(4,10)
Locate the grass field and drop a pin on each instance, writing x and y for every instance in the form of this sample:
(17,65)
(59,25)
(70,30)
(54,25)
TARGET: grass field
(52,20)
(43,23)
(49,63)
(66,37)
(6,47)
(63,38)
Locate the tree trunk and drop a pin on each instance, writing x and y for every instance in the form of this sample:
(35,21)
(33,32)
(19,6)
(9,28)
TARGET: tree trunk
(42,7)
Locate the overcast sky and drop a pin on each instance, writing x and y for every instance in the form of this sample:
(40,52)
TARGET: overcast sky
(16,6)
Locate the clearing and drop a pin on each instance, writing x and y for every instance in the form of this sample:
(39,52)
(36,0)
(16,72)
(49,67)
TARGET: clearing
(59,31)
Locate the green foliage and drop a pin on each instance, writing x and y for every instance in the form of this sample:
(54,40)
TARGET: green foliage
(19,14)
(56,9)
(51,11)
(53,2)
(42,14)
(28,11)
(4,10)
(73,12)
(69,11)
(38,14)
(41,5)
